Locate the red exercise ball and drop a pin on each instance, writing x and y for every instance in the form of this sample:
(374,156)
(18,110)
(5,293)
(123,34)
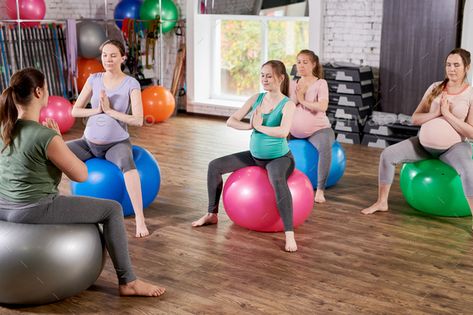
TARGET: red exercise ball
(29,10)
(59,109)
(158,104)
(86,67)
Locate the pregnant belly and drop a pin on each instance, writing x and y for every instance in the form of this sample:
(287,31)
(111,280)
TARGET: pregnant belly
(305,123)
(438,134)
(103,129)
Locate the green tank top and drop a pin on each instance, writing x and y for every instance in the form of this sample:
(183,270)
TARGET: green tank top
(263,146)
(26,174)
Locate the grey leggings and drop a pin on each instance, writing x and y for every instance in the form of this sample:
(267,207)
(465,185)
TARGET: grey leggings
(76,210)
(279,170)
(458,156)
(119,153)
(323,140)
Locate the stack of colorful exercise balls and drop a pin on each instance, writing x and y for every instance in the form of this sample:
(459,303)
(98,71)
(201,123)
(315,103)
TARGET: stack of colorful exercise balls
(90,35)
(29,10)
(60,110)
(148,10)
(158,104)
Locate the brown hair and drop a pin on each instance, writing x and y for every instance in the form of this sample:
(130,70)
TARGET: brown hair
(21,89)
(318,70)
(115,43)
(280,70)
(465,56)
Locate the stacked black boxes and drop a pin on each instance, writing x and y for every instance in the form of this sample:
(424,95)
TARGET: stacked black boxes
(351,99)
(385,129)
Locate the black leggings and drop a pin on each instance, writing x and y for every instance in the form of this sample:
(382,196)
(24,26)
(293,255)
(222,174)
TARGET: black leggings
(279,170)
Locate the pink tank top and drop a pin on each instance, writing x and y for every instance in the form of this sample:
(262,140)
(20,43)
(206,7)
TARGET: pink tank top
(438,133)
(307,122)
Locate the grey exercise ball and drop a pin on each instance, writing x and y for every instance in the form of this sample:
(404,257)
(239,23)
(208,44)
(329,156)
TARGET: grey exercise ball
(90,36)
(44,263)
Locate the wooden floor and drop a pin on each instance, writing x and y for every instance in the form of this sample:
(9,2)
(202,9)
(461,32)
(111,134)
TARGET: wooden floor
(400,262)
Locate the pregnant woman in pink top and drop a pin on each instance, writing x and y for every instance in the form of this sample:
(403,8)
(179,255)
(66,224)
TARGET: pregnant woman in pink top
(445,115)
(310,122)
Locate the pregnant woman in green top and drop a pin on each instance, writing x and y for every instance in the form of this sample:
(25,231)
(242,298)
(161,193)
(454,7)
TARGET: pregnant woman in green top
(270,122)
(32,160)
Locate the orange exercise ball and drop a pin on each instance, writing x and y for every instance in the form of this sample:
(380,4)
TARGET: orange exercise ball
(158,104)
(86,67)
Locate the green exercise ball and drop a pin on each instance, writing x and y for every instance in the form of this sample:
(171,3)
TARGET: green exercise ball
(150,10)
(433,187)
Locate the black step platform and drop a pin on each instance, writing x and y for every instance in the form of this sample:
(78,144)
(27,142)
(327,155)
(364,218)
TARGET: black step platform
(347,72)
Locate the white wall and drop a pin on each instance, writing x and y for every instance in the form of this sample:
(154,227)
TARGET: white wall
(467,34)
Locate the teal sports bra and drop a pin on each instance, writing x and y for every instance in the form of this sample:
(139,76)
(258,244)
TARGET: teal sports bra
(263,146)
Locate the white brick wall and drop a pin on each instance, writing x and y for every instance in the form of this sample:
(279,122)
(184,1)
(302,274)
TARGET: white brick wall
(352,32)
(63,9)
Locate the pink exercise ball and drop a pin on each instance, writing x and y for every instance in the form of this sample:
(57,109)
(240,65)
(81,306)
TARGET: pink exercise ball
(29,10)
(60,110)
(250,202)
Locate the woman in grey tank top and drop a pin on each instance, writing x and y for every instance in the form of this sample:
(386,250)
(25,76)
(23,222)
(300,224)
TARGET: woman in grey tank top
(106,133)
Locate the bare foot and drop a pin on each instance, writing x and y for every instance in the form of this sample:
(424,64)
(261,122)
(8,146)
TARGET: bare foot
(377,206)
(291,245)
(141,229)
(140,288)
(319,196)
(209,218)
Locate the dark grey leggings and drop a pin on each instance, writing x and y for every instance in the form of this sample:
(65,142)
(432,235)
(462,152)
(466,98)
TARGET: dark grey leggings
(278,169)
(76,210)
(323,140)
(457,156)
(119,153)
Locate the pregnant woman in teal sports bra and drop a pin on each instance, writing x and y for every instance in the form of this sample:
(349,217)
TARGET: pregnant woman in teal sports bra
(271,121)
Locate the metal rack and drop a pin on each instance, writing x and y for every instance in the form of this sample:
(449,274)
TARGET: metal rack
(159,43)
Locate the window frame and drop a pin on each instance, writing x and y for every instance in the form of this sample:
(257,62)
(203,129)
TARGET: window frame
(201,51)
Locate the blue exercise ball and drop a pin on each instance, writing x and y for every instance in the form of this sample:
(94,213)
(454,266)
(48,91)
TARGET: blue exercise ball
(307,159)
(150,177)
(127,9)
(106,180)
(44,263)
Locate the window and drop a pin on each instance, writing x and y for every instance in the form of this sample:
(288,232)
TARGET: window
(242,45)
(240,58)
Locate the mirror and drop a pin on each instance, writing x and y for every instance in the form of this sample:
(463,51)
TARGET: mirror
(296,8)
